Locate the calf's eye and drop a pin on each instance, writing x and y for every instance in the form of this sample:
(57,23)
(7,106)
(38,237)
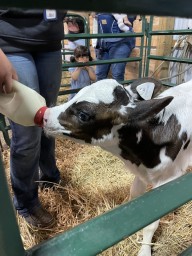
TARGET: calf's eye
(84,117)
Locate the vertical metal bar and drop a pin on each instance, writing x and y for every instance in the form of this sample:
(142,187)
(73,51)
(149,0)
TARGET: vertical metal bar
(146,26)
(10,240)
(141,46)
(87,31)
(149,29)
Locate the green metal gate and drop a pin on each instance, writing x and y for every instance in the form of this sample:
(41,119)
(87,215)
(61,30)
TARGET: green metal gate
(98,234)
(89,36)
(150,33)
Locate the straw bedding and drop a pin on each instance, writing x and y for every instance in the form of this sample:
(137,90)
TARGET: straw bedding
(95,181)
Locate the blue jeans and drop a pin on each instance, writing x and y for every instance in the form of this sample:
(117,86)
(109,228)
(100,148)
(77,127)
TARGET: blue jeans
(30,149)
(114,50)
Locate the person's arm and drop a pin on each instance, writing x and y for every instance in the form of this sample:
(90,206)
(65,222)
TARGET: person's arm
(75,74)
(93,14)
(91,73)
(126,21)
(122,21)
(7,74)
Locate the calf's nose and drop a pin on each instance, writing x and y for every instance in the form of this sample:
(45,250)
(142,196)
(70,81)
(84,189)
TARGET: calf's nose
(46,116)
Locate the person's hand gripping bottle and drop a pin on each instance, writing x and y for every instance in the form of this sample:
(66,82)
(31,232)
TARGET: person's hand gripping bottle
(23,105)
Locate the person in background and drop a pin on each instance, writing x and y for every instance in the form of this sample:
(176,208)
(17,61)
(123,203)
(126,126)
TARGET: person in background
(31,40)
(75,25)
(113,48)
(81,76)
(7,74)
(123,22)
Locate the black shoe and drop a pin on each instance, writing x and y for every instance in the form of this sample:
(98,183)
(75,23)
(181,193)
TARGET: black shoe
(40,218)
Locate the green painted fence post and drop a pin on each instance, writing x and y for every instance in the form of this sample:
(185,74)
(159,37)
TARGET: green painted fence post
(10,240)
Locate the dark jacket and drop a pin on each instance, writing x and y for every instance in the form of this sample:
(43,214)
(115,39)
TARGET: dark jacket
(108,24)
(28,30)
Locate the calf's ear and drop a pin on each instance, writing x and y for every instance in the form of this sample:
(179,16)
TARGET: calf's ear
(146,88)
(144,110)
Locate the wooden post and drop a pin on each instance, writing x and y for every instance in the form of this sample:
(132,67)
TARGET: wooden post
(164,45)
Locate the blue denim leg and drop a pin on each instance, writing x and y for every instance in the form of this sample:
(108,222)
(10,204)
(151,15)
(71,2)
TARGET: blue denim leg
(102,70)
(114,50)
(118,50)
(24,159)
(48,67)
(43,75)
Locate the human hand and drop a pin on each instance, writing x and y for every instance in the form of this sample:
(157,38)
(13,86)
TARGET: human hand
(86,68)
(126,21)
(93,14)
(7,74)
(81,67)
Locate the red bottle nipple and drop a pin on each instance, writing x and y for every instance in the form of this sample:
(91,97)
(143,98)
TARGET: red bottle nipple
(38,119)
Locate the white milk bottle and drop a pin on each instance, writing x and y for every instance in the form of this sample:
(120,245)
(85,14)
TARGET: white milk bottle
(23,105)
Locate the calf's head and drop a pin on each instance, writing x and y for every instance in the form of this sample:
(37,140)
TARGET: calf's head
(99,110)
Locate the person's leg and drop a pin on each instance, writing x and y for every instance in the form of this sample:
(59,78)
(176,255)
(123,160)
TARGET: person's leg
(25,152)
(49,73)
(102,70)
(24,165)
(119,50)
(25,144)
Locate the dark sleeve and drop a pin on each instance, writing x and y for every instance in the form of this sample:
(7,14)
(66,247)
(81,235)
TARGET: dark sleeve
(132,18)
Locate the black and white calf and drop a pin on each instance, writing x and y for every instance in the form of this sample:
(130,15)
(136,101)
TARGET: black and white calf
(151,135)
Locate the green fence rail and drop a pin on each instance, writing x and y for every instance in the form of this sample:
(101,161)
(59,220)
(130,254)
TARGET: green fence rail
(102,232)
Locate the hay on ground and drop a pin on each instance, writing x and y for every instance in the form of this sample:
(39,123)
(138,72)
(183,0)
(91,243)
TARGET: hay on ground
(96,182)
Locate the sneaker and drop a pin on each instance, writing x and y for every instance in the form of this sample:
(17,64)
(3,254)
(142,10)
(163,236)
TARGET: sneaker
(40,218)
